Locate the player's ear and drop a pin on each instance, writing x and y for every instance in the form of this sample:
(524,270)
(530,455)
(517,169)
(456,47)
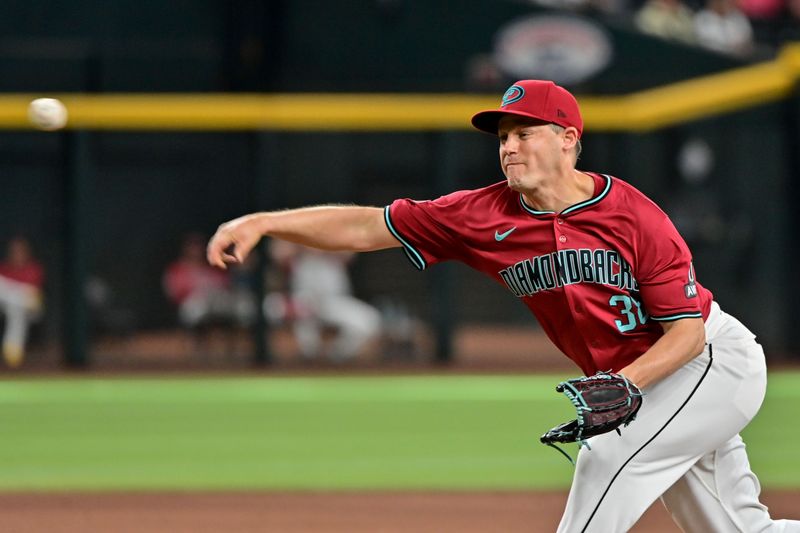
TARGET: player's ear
(571,138)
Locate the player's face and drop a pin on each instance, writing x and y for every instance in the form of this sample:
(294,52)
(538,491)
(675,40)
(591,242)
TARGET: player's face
(530,152)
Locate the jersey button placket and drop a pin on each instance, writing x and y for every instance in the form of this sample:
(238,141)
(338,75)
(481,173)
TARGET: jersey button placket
(558,230)
(576,306)
(577,313)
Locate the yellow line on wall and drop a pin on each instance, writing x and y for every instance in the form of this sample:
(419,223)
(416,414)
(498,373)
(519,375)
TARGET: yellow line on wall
(641,111)
(298,112)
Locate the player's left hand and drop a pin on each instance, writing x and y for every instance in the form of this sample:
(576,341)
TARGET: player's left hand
(603,402)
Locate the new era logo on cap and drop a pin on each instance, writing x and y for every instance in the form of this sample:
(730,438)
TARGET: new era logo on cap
(538,99)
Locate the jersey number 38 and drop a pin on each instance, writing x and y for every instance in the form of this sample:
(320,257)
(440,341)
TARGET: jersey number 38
(631,311)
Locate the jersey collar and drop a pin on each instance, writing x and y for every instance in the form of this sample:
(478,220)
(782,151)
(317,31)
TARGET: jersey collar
(573,208)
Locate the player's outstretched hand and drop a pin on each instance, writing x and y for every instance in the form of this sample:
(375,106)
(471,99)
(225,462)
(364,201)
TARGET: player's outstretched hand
(233,241)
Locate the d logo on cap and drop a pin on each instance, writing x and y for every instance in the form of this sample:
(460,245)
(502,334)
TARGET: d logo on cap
(513,94)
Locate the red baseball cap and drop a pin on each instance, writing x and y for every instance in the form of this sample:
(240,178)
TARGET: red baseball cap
(539,99)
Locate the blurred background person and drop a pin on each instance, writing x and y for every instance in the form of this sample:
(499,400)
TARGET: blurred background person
(722,26)
(206,296)
(21,297)
(320,301)
(669,19)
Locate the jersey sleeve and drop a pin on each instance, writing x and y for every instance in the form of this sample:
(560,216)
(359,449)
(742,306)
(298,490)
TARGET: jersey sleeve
(425,229)
(666,275)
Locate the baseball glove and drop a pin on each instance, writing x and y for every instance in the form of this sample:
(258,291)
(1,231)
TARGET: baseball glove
(603,402)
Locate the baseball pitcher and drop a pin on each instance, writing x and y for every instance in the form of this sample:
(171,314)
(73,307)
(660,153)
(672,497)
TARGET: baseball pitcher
(671,379)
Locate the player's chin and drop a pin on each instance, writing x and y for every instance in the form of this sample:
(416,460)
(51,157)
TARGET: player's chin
(514,183)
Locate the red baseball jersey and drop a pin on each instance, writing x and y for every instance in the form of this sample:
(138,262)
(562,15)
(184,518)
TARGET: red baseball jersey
(598,276)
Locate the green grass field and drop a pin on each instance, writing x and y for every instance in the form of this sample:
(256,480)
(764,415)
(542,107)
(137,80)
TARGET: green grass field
(447,432)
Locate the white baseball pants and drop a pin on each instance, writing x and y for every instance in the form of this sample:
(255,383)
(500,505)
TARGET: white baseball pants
(684,447)
(20,304)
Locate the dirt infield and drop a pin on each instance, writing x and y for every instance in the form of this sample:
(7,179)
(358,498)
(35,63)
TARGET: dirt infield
(466,512)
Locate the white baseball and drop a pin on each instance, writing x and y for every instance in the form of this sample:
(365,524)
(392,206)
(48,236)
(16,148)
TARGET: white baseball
(47,114)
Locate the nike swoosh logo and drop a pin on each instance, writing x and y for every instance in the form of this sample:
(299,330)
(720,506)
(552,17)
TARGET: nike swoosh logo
(500,236)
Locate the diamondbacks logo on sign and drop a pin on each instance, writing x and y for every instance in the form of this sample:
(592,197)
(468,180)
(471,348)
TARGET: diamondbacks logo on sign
(690,289)
(565,49)
(513,94)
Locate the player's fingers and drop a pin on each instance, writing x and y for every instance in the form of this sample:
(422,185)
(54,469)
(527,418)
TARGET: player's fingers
(242,249)
(220,260)
(217,251)
(224,260)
